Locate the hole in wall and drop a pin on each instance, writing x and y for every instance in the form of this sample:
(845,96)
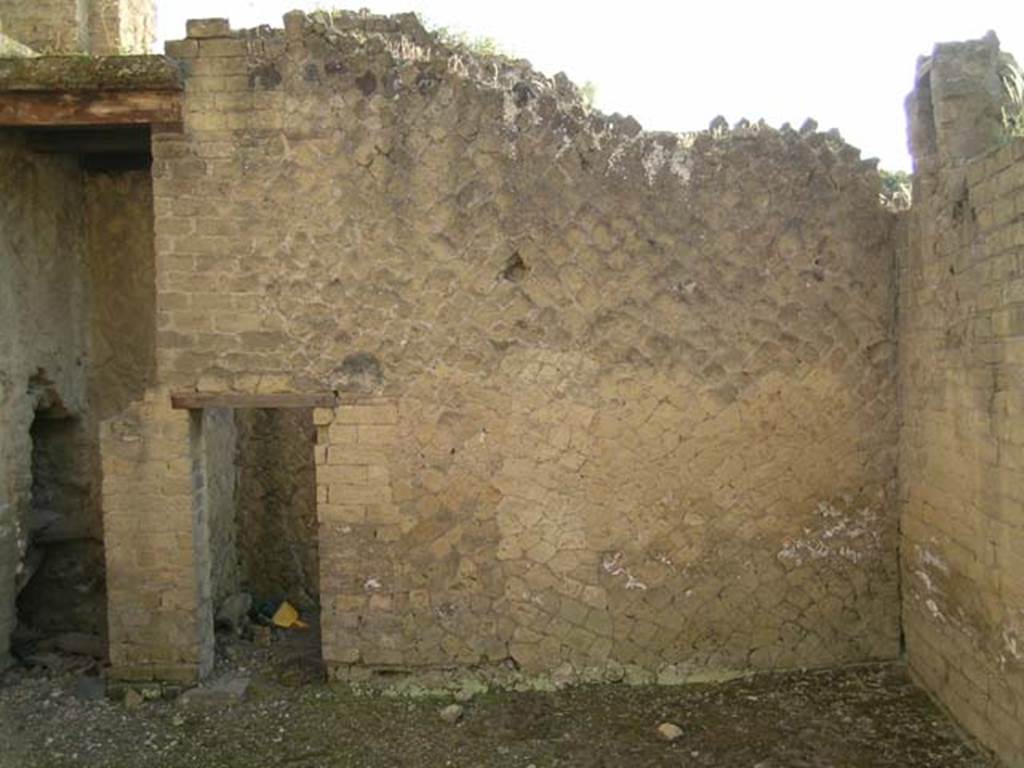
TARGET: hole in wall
(515,269)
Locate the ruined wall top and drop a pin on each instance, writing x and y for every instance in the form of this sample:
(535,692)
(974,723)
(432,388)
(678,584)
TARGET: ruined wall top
(968,98)
(408,58)
(98,27)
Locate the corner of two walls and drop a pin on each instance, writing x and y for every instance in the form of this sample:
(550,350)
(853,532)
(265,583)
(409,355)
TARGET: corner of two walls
(961,379)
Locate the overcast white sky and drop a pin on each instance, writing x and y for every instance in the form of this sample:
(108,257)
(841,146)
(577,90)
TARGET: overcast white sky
(676,65)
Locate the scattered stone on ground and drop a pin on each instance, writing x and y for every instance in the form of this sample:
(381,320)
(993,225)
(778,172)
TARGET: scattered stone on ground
(669,731)
(862,717)
(223,692)
(233,614)
(132,699)
(452,713)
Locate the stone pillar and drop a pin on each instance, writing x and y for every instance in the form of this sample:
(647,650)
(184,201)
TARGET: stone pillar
(121,26)
(966,94)
(157,545)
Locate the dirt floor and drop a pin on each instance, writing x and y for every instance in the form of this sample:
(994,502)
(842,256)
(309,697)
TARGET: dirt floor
(864,716)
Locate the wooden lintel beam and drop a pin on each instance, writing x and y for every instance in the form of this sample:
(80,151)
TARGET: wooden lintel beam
(193,401)
(38,109)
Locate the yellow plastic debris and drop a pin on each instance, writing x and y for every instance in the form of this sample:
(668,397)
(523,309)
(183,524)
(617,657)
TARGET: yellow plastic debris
(287,616)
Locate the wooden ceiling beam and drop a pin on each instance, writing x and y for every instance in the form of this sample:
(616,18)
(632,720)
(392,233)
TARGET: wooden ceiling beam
(193,401)
(29,109)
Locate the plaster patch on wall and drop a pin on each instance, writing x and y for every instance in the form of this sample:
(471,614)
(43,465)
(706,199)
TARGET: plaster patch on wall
(932,567)
(612,565)
(838,534)
(929,558)
(678,161)
(1013,641)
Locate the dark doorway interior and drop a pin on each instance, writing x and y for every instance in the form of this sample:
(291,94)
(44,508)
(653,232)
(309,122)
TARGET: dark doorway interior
(62,587)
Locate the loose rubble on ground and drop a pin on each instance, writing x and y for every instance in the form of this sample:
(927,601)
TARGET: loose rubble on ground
(268,704)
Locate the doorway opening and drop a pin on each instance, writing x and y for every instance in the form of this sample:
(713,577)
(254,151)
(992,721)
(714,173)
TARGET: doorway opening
(259,493)
(61,586)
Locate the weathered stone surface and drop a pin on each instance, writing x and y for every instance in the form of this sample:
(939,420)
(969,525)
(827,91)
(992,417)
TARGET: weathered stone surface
(224,692)
(232,615)
(87,73)
(669,731)
(527,457)
(962,389)
(11,48)
(206,28)
(121,27)
(122,301)
(612,404)
(452,713)
(101,27)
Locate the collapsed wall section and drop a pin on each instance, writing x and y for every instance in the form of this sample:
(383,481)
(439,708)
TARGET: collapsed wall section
(43,346)
(77,328)
(961,374)
(638,399)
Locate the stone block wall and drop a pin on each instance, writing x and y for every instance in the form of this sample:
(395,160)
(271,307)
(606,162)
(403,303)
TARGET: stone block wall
(366,594)
(99,27)
(160,613)
(118,27)
(642,384)
(47,26)
(961,373)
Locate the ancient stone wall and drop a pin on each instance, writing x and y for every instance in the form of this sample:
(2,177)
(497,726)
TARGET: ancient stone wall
(99,27)
(160,613)
(47,26)
(121,26)
(638,387)
(42,344)
(961,374)
(122,296)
